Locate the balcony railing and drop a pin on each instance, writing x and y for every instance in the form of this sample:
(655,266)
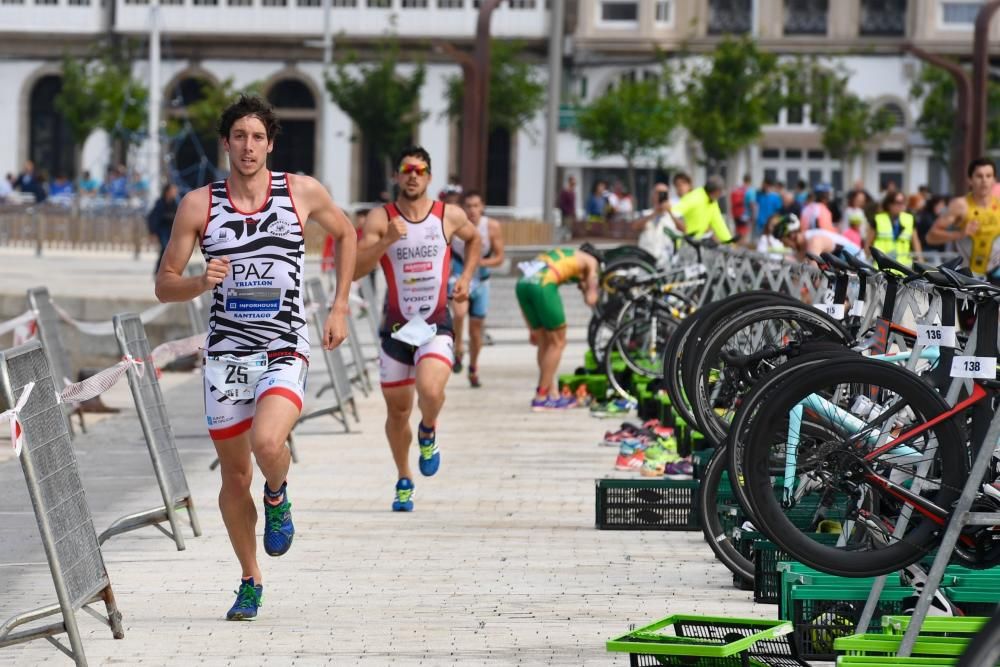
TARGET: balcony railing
(806,17)
(729,17)
(883,18)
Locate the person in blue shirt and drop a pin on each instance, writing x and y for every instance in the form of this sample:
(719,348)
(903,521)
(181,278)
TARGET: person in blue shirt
(597,202)
(768,203)
(61,187)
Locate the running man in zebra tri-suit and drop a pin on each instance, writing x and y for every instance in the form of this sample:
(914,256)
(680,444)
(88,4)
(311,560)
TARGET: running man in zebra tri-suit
(411,240)
(250,229)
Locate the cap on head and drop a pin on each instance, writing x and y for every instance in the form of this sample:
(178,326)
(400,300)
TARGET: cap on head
(788,224)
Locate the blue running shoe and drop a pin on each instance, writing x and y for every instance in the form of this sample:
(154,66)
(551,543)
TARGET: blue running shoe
(544,404)
(404,496)
(430,457)
(248,599)
(278,528)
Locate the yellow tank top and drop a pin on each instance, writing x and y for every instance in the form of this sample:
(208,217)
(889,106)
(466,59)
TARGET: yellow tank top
(982,250)
(561,266)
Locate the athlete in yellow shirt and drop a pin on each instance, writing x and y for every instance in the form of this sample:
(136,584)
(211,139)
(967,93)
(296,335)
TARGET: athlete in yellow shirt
(973,222)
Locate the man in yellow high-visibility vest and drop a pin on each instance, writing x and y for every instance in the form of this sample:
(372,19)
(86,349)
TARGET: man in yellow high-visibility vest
(894,230)
(698,212)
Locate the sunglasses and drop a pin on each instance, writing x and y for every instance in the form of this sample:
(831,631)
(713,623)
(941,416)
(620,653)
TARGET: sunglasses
(418,169)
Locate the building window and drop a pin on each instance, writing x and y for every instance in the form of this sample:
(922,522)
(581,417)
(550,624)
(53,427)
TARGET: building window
(883,18)
(806,17)
(274,3)
(79,3)
(520,4)
(729,17)
(898,115)
(890,156)
(770,153)
(960,14)
(816,155)
(770,175)
(46,2)
(344,3)
(815,176)
(11,2)
(791,178)
(793,153)
(617,11)
(663,11)
(450,4)
(414,4)
(206,3)
(380,4)
(240,3)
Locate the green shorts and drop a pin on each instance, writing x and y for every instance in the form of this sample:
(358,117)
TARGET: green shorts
(541,304)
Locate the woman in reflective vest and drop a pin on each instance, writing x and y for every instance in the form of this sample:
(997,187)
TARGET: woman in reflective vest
(894,230)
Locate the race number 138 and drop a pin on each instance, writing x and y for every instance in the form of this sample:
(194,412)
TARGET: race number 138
(982,368)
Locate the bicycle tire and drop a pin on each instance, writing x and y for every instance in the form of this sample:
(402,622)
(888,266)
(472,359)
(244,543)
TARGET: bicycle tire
(734,444)
(673,354)
(621,342)
(715,534)
(708,363)
(922,401)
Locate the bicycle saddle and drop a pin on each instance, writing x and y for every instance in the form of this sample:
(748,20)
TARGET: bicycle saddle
(886,264)
(862,267)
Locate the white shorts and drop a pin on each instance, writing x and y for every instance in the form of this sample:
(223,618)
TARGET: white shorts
(228,418)
(397,361)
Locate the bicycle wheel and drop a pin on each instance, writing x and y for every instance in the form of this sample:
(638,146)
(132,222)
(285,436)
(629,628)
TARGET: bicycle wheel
(716,534)
(732,357)
(735,443)
(673,355)
(639,343)
(852,481)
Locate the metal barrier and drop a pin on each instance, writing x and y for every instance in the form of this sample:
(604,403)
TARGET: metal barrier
(159,436)
(60,505)
(93,225)
(339,380)
(47,322)
(370,297)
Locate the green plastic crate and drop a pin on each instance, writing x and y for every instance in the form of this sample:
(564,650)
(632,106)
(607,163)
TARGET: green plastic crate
(822,614)
(974,601)
(767,578)
(947,626)
(707,641)
(892,661)
(875,645)
(647,504)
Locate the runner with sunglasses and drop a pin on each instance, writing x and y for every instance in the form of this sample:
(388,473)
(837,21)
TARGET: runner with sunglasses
(410,239)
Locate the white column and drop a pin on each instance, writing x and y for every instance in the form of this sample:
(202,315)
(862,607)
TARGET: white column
(155,92)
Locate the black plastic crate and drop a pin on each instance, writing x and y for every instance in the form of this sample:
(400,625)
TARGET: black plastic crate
(766,556)
(822,614)
(647,504)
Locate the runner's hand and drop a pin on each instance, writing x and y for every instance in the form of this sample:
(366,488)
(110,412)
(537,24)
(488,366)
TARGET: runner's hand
(335,329)
(397,229)
(461,291)
(215,273)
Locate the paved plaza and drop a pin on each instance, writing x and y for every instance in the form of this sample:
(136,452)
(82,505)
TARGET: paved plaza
(499,564)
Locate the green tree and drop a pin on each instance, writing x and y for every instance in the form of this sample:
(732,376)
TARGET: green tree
(852,122)
(99,92)
(203,114)
(727,103)
(934,89)
(516,94)
(380,101)
(631,120)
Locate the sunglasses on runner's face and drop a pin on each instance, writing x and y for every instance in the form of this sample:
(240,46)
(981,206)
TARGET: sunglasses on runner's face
(418,169)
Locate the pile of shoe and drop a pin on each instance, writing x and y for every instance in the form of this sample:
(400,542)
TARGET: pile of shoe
(650,449)
(612,408)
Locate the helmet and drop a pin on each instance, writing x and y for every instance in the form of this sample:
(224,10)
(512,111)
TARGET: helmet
(788,224)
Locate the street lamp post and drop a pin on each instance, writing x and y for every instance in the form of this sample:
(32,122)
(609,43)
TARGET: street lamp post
(980,73)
